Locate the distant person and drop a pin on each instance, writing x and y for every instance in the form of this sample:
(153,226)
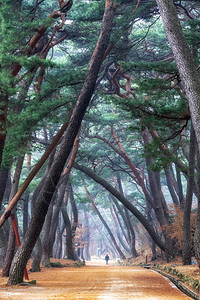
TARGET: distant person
(107,258)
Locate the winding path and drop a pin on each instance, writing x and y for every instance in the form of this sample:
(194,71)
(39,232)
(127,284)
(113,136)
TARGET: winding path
(95,282)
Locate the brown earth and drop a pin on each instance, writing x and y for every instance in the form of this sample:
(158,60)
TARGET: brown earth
(93,281)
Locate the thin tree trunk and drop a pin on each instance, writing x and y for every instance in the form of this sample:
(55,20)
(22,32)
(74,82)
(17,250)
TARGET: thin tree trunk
(69,238)
(186,249)
(197,230)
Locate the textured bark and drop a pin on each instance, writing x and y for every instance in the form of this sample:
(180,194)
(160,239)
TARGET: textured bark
(197,230)
(37,221)
(184,60)
(73,206)
(35,267)
(69,238)
(125,202)
(186,249)
(46,247)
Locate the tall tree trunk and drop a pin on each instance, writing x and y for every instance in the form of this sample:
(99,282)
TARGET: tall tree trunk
(46,248)
(69,237)
(197,230)
(74,208)
(186,249)
(184,60)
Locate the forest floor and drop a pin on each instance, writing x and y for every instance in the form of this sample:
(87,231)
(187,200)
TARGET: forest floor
(96,281)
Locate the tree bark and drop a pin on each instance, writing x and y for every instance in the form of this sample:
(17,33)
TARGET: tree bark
(35,267)
(69,238)
(184,60)
(37,221)
(197,230)
(186,249)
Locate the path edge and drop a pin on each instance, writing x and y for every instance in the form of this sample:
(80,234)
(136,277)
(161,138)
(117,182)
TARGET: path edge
(179,284)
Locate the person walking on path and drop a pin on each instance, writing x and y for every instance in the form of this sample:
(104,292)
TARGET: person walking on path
(107,258)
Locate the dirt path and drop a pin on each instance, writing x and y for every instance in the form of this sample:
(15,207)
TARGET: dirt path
(94,282)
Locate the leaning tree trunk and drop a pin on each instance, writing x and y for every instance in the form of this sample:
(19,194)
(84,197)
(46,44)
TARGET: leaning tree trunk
(184,60)
(186,249)
(37,221)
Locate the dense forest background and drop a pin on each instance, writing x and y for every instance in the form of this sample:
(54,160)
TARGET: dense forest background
(99,130)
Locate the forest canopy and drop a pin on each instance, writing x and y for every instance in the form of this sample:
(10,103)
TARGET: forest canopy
(99,130)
